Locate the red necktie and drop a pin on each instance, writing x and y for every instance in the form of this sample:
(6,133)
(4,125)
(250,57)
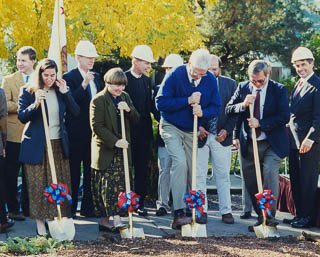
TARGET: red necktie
(298,88)
(256,111)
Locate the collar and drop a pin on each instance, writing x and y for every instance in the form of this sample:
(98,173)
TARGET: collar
(196,82)
(263,89)
(305,80)
(135,74)
(24,76)
(82,72)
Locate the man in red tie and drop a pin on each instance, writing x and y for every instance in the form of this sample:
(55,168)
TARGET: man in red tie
(304,137)
(271,113)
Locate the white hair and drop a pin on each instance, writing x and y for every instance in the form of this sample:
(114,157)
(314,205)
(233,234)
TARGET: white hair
(200,59)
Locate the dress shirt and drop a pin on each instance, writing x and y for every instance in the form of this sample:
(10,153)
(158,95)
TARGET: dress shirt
(92,85)
(135,74)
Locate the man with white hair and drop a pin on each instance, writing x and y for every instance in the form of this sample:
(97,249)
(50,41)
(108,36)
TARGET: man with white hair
(164,159)
(186,91)
(140,91)
(84,85)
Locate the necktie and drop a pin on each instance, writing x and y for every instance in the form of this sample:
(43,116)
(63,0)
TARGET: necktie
(298,88)
(256,111)
(27,78)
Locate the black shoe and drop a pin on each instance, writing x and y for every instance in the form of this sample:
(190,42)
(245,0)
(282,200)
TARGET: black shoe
(245,215)
(203,219)
(289,221)
(16,216)
(106,229)
(161,212)
(302,223)
(6,225)
(142,211)
(269,222)
(188,212)
(120,227)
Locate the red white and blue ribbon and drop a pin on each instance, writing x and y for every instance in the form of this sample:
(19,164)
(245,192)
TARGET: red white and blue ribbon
(265,201)
(195,199)
(57,194)
(128,201)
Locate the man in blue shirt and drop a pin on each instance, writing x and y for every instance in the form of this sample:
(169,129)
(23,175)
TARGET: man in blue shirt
(186,91)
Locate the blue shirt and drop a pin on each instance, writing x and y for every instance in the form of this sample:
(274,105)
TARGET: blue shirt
(172,98)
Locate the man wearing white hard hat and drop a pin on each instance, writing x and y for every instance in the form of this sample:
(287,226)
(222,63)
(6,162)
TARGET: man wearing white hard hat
(186,91)
(215,141)
(84,85)
(304,137)
(164,159)
(140,91)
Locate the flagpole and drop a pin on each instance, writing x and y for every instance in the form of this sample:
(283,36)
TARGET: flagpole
(59,37)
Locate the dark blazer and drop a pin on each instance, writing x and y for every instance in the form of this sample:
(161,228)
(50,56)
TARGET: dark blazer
(105,131)
(227,87)
(79,127)
(142,130)
(33,140)
(276,114)
(305,113)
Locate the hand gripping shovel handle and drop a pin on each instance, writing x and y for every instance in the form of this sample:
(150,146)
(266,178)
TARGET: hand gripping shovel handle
(50,153)
(126,167)
(194,160)
(256,158)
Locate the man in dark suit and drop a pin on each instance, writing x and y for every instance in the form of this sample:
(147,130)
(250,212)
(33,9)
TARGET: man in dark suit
(140,91)
(84,85)
(216,140)
(304,137)
(271,113)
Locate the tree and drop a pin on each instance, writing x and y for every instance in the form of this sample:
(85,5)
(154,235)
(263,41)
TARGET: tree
(239,31)
(113,25)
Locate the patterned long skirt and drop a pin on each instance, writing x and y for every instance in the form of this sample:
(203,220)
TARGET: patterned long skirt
(39,176)
(106,186)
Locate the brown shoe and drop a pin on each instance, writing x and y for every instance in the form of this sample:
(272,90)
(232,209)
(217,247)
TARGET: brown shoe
(227,218)
(5,226)
(16,216)
(180,220)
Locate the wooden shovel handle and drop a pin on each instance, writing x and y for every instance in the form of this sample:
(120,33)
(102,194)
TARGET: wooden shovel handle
(194,160)
(50,153)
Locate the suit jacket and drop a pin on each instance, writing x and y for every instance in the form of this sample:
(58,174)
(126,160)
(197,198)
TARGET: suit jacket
(79,127)
(3,121)
(11,85)
(276,114)
(227,87)
(105,131)
(33,140)
(305,113)
(142,130)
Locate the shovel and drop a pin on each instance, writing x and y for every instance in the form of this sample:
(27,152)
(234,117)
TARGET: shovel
(130,232)
(262,231)
(194,229)
(60,228)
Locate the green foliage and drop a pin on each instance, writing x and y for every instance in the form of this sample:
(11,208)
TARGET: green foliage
(33,245)
(289,83)
(240,31)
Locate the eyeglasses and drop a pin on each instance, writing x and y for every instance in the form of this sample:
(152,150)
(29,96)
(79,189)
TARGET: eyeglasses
(194,73)
(259,81)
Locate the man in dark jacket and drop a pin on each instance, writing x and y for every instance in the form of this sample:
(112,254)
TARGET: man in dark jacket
(84,85)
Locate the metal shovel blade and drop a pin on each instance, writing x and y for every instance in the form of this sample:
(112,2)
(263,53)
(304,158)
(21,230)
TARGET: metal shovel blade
(194,230)
(132,233)
(264,231)
(62,229)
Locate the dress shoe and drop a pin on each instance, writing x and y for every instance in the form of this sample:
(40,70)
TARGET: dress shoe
(142,211)
(188,212)
(227,218)
(103,228)
(180,220)
(246,215)
(119,227)
(203,219)
(88,215)
(6,225)
(16,216)
(161,212)
(302,223)
(269,222)
(290,221)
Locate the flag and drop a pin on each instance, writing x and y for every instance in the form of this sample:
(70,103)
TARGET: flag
(58,42)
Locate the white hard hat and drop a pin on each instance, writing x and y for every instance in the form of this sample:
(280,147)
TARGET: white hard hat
(301,53)
(86,48)
(143,52)
(172,60)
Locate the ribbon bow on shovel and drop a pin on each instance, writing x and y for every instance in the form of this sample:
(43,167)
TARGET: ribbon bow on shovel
(195,199)
(128,201)
(57,194)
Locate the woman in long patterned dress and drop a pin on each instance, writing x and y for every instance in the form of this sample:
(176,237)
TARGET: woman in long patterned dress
(44,86)
(107,178)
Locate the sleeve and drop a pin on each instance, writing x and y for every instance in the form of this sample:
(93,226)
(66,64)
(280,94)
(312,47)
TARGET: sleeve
(314,130)
(213,109)
(11,105)
(231,121)
(234,106)
(3,118)
(27,110)
(76,88)
(133,115)
(72,106)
